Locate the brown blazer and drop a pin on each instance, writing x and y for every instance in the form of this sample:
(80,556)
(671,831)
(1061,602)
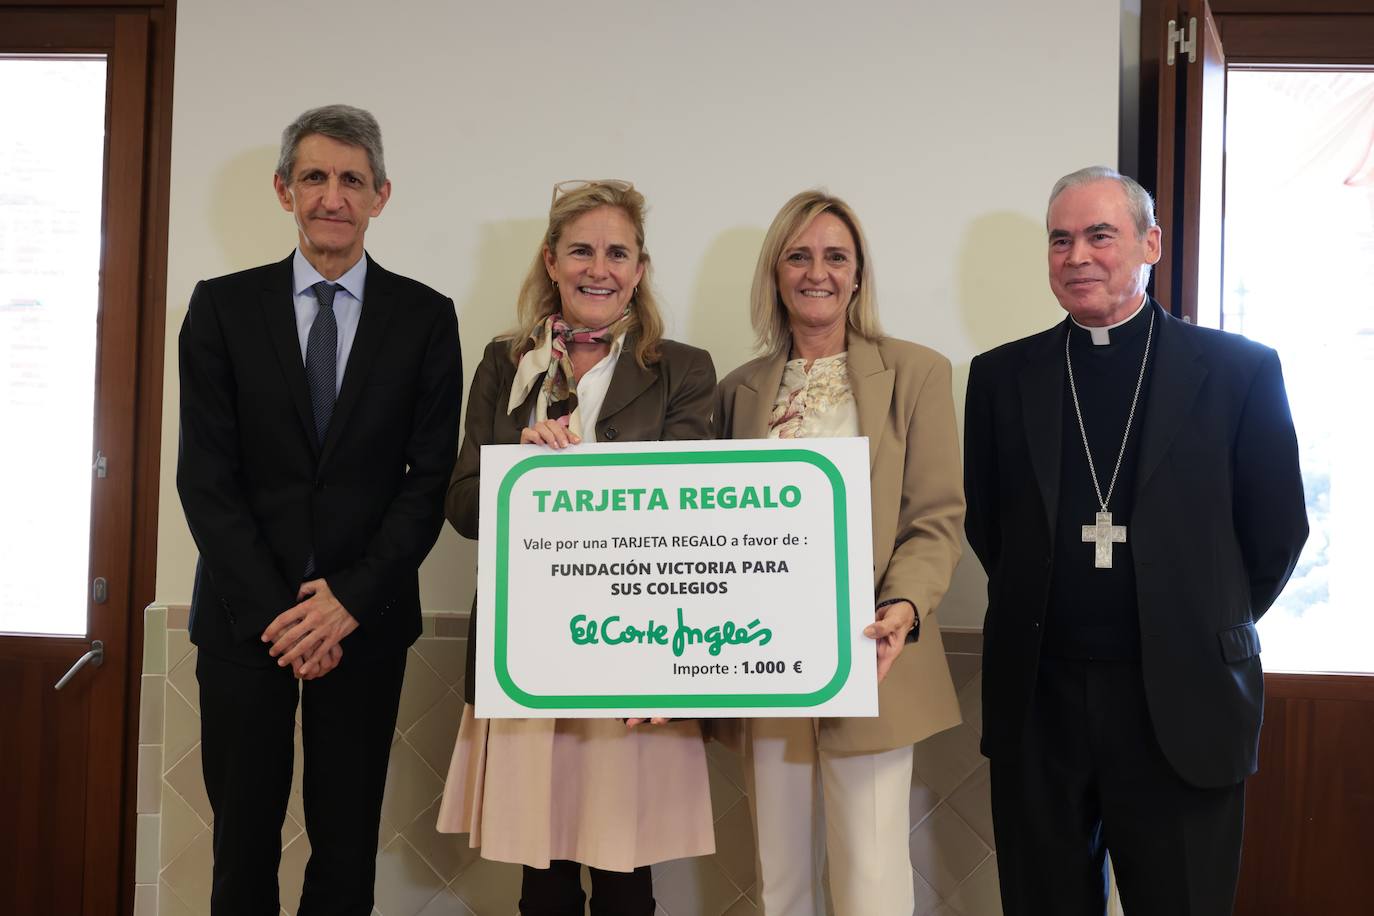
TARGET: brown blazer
(667,401)
(906,409)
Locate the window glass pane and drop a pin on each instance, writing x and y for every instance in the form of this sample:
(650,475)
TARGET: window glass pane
(52,150)
(1299,268)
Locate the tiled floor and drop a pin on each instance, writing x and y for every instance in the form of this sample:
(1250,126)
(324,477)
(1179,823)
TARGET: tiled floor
(423,873)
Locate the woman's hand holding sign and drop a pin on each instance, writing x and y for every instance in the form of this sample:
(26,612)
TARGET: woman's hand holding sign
(890,625)
(553,433)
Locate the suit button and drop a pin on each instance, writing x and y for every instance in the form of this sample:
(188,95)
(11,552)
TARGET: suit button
(611,432)
(321,486)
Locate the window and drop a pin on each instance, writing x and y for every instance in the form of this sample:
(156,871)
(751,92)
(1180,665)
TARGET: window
(52,155)
(1299,276)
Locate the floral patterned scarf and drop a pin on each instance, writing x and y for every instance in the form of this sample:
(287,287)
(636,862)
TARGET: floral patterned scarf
(549,359)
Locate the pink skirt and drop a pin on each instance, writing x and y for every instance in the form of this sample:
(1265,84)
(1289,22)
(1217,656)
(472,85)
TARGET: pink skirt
(586,790)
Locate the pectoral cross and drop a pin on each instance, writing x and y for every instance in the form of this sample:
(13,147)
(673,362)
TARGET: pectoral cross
(1104,534)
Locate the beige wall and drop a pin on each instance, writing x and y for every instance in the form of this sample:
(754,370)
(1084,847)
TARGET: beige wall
(943,124)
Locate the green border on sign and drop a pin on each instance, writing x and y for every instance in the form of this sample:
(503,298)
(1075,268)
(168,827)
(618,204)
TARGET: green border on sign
(500,629)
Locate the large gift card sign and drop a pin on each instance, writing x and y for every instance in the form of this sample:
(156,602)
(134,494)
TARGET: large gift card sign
(677,579)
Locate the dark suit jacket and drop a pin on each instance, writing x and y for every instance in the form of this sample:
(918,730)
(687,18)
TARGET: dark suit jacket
(1218,523)
(260,495)
(667,401)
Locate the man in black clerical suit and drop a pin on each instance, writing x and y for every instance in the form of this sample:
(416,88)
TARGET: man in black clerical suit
(1134,496)
(319,424)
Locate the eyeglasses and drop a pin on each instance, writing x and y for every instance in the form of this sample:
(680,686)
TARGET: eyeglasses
(578,184)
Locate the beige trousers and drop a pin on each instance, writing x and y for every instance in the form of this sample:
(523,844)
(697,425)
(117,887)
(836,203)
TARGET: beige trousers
(863,806)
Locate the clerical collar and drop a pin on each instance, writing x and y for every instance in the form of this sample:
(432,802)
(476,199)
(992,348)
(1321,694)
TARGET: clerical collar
(1102,336)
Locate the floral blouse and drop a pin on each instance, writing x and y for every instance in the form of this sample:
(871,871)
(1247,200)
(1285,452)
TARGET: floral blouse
(815,404)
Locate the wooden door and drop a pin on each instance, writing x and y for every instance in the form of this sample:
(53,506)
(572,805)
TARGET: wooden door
(1308,839)
(63,752)
(1191,105)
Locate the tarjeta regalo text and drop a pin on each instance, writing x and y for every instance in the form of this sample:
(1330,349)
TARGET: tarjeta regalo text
(636,499)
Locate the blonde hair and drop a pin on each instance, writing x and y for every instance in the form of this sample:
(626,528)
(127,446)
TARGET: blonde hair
(767,313)
(539,298)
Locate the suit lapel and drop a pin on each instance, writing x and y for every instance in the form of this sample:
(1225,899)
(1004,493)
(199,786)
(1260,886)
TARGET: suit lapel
(1042,412)
(754,399)
(628,381)
(279,313)
(872,384)
(1175,381)
(379,306)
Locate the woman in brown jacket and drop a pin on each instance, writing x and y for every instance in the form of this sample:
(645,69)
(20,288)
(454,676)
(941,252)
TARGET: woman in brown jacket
(588,364)
(827,370)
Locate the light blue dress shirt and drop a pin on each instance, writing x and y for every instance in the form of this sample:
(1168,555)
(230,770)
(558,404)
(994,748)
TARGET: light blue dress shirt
(348,306)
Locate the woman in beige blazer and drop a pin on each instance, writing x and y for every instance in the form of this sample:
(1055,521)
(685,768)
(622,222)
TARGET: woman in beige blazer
(589,364)
(827,370)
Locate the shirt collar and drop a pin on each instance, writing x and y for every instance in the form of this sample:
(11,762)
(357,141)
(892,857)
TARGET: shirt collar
(1103,335)
(304,276)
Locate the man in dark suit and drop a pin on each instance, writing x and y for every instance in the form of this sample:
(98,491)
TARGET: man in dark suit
(1134,496)
(319,423)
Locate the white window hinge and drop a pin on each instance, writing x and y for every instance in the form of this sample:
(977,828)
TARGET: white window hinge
(1177,43)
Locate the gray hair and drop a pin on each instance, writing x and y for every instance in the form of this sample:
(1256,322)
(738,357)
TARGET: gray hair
(1138,200)
(344,123)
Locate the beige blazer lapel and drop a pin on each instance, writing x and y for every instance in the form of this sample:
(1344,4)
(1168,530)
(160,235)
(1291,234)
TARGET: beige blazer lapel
(755,397)
(872,384)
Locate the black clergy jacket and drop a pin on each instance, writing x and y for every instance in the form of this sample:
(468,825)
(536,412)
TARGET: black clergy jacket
(1218,522)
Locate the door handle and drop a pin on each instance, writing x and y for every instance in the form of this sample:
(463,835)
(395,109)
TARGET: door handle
(96,657)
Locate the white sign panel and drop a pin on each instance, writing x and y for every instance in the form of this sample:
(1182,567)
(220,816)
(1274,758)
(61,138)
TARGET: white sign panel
(680,579)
